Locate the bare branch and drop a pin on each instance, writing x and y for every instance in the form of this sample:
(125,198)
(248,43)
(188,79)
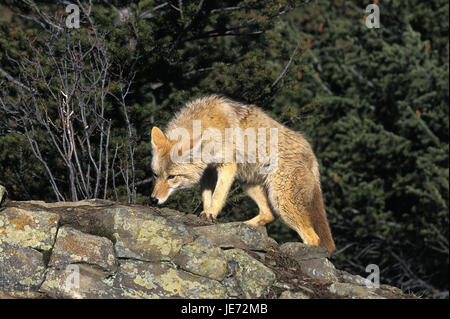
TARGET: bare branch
(16,82)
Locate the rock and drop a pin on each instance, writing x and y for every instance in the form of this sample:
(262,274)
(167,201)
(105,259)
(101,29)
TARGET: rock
(321,269)
(101,249)
(3,194)
(148,237)
(383,291)
(346,277)
(391,292)
(202,259)
(180,218)
(293,295)
(300,251)
(281,285)
(253,277)
(158,280)
(87,202)
(235,235)
(35,229)
(353,291)
(232,287)
(73,246)
(21,268)
(21,295)
(272,243)
(92,216)
(79,281)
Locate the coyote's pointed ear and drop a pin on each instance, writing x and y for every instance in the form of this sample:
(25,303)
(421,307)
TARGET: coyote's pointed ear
(158,138)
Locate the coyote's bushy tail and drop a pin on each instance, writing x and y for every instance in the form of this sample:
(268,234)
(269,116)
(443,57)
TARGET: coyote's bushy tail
(319,220)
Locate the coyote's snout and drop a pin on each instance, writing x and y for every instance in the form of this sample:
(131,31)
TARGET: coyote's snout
(280,173)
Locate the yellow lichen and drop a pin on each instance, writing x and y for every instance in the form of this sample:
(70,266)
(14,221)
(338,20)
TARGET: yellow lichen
(21,221)
(29,281)
(27,228)
(144,282)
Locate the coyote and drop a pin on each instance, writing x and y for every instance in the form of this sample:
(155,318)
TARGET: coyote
(290,189)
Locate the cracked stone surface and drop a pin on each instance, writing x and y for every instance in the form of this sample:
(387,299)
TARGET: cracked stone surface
(236,235)
(79,281)
(21,268)
(300,251)
(252,276)
(148,237)
(28,228)
(101,249)
(73,246)
(159,280)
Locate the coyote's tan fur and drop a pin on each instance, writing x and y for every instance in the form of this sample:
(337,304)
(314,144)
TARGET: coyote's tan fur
(291,191)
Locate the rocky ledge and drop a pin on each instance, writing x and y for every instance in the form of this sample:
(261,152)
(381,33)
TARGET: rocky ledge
(102,249)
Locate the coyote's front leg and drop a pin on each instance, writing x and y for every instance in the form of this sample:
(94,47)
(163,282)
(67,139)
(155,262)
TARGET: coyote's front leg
(225,177)
(208,183)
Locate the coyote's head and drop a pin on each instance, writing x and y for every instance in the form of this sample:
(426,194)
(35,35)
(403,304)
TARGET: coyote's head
(171,175)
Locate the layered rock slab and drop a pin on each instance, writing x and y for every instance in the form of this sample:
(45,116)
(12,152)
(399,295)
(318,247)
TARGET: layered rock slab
(102,249)
(158,280)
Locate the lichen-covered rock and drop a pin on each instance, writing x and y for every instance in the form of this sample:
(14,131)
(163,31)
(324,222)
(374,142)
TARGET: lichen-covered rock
(35,229)
(236,235)
(346,277)
(300,251)
(92,216)
(21,268)
(148,237)
(321,269)
(181,218)
(353,291)
(21,294)
(158,280)
(2,193)
(73,246)
(391,292)
(293,295)
(203,259)
(104,249)
(87,202)
(232,287)
(79,281)
(252,276)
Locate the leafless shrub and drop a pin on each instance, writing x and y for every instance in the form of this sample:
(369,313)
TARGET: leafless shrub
(60,96)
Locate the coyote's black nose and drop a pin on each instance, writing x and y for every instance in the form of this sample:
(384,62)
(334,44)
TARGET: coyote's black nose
(153,200)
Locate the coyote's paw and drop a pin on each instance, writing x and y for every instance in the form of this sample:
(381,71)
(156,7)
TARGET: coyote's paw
(208,215)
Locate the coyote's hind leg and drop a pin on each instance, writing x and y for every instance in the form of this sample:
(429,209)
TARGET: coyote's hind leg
(258,194)
(291,196)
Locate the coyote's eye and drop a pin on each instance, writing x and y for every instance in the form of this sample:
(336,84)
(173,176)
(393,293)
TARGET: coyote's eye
(170,176)
(155,175)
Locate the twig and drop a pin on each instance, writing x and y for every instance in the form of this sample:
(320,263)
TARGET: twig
(283,73)
(16,82)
